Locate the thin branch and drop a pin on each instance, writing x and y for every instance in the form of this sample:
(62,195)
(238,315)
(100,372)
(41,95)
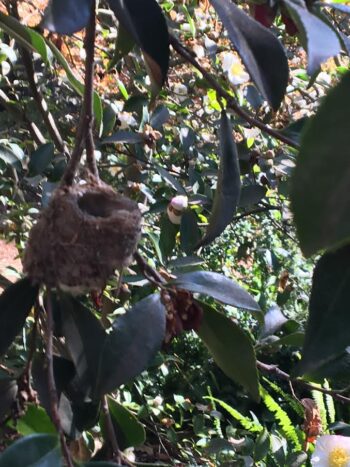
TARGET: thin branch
(274,370)
(256,211)
(231,102)
(151,274)
(51,381)
(110,431)
(36,93)
(84,137)
(34,131)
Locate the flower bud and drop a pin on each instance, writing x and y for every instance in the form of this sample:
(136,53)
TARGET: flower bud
(176,207)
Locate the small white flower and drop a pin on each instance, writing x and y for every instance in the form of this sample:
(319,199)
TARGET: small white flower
(181,91)
(126,120)
(176,207)
(234,69)
(332,451)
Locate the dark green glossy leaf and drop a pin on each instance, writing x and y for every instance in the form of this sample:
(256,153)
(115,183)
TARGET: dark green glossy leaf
(144,21)
(274,319)
(35,451)
(134,340)
(67,16)
(124,44)
(85,338)
(8,393)
(328,327)
(168,232)
(35,420)
(41,158)
(228,185)
(217,286)
(320,194)
(130,431)
(260,50)
(85,414)
(189,231)
(25,37)
(320,41)
(15,304)
(231,349)
(124,136)
(251,194)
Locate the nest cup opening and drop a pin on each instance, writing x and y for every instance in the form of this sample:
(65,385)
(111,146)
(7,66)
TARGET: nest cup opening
(98,204)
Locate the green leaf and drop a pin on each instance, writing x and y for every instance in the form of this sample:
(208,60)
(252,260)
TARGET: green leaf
(15,305)
(228,188)
(145,22)
(251,194)
(320,195)
(130,431)
(274,319)
(85,338)
(124,44)
(41,158)
(67,17)
(260,50)
(124,136)
(8,394)
(168,232)
(35,420)
(134,340)
(25,37)
(189,231)
(320,41)
(77,85)
(11,154)
(231,349)
(35,451)
(217,286)
(328,327)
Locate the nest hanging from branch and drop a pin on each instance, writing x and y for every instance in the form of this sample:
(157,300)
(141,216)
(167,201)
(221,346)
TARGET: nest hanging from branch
(84,235)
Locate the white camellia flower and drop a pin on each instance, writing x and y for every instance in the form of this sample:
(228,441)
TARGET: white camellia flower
(126,120)
(234,69)
(332,451)
(176,207)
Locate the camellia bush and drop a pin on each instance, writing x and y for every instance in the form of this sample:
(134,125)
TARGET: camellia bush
(175,175)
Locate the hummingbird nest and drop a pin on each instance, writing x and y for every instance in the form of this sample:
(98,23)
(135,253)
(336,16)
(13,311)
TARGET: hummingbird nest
(84,235)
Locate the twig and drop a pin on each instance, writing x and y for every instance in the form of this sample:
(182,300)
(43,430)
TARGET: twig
(51,381)
(110,431)
(147,270)
(231,102)
(37,95)
(274,370)
(84,137)
(34,131)
(256,211)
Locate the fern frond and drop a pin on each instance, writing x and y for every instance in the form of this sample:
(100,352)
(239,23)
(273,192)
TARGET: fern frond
(294,404)
(246,422)
(282,418)
(330,404)
(318,398)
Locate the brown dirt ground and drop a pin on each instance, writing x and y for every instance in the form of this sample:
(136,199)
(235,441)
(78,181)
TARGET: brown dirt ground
(9,257)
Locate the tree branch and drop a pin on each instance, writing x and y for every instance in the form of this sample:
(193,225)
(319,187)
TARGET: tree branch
(110,431)
(84,137)
(274,370)
(231,102)
(51,380)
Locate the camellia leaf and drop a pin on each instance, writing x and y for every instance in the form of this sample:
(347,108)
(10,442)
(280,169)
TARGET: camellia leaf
(145,22)
(320,196)
(320,41)
(189,231)
(41,158)
(328,327)
(37,450)
(85,338)
(231,349)
(217,286)
(124,44)
(35,420)
(8,393)
(274,319)
(228,185)
(25,37)
(134,340)
(261,52)
(130,431)
(15,304)
(67,16)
